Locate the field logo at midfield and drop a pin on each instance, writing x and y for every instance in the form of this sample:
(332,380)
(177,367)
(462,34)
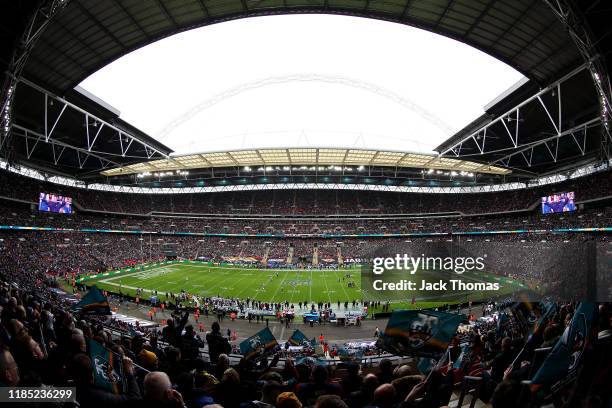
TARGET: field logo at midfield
(299,282)
(154,273)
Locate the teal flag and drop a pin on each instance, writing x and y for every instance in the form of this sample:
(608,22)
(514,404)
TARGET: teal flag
(419,332)
(548,311)
(565,358)
(258,345)
(107,368)
(299,339)
(94,302)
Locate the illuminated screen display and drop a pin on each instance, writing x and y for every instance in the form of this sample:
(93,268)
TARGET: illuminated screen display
(556,203)
(54,203)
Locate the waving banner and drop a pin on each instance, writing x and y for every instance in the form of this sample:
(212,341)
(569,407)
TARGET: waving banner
(94,302)
(107,368)
(258,345)
(419,332)
(566,357)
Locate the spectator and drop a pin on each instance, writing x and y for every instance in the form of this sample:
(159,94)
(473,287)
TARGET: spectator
(217,344)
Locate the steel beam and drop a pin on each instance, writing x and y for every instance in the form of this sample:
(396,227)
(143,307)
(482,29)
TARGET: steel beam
(32,135)
(37,24)
(88,117)
(508,115)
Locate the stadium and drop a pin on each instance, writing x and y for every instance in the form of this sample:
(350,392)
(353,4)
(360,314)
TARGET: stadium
(304,203)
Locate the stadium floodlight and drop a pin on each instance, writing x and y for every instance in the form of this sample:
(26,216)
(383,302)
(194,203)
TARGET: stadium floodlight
(286,168)
(269,168)
(246,168)
(360,168)
(430,171)
(453,173)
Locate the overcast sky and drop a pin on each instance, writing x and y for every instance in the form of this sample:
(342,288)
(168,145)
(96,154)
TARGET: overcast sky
(302,80)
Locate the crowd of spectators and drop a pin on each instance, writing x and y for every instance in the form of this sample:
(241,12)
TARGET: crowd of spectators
(305,202)
(42,343)
(18,214)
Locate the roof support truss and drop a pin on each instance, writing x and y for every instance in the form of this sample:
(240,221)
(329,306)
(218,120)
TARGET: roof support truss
(32,139)
(510,121)
(37,24)
(551,143)
(579,31)
(94,127)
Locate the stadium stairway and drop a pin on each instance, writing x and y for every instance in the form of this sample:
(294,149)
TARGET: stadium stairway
(290,254)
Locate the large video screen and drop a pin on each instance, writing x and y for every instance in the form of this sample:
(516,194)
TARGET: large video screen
(54,203)
(557,203)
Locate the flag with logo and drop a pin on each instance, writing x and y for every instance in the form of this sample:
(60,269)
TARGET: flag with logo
(94,302)
(299,339)
(259,344)
(561,365)
(107,368)
(419,332)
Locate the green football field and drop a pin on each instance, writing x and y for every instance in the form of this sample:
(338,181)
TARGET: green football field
(271,285)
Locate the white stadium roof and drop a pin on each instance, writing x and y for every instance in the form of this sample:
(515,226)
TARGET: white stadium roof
(308,157)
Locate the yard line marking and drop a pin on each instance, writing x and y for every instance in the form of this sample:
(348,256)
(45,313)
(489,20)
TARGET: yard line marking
(310,286)
(279,286)
(327,289)
(345,292)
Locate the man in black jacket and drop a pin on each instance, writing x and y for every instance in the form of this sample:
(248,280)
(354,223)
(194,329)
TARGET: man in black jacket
(172,332)
(217,344)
